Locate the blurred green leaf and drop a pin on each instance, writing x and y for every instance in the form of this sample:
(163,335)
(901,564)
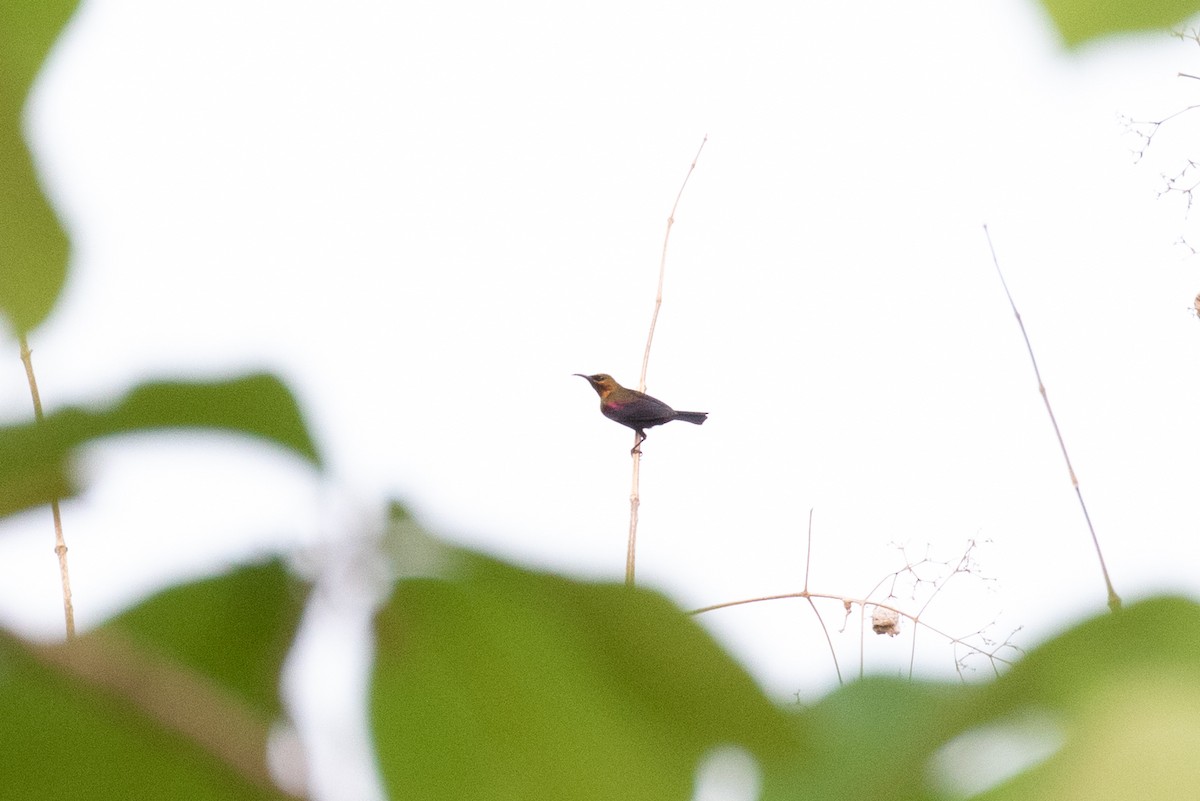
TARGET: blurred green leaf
(1114,703)
(1080,20)
(259,405)
(494,682)
(1123,693)
(33,247)
(234,628)
(174,699)
(33,456)
(876,736)
(499,683)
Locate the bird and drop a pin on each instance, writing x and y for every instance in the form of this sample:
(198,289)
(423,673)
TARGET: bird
(634,409)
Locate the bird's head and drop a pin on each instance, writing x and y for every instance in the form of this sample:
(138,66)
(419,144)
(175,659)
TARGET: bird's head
(603,383)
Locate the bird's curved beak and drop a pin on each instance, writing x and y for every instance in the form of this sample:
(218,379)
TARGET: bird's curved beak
(585,377)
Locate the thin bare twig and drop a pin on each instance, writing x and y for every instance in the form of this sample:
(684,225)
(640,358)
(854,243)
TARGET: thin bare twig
(817,612)
(634,503)
(808,552)
(60,544)
(1114,600)
(828,639)
(975,643)
(634,499)
(848,603)
(1152,126)
(662,266)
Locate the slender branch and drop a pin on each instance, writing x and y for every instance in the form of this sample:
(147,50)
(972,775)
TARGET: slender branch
(961,567)
(636,453)
(60,544)
(662,266)
(828,639)
(848,603)
(825,629)
(1153,126)
(885,617)
(808,554)
(1114,600)
(634,503)
(862,636)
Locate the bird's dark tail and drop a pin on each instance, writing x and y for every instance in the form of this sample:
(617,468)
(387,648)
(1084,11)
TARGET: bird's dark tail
(692,417)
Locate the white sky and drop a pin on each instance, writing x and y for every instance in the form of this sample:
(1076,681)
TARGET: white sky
(427,216)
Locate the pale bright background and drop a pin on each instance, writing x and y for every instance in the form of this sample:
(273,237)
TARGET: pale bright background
(426,216)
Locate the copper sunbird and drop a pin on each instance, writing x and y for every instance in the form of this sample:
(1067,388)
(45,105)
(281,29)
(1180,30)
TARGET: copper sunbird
(634,409)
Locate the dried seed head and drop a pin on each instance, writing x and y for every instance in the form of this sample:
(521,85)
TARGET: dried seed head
(885,621)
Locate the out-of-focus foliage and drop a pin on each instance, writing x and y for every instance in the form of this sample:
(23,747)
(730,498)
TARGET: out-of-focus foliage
(176,698)
(173,699)
(234,629)
(33,247)
(1079,21)
(1105,711)
(34,457)
(493,682)
(496,682)
(1121,693)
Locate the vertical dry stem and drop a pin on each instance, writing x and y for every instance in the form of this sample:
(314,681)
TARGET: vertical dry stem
(1114,600)
(60,544)
(634,502)
(816,612)
(662,266)
(634,499)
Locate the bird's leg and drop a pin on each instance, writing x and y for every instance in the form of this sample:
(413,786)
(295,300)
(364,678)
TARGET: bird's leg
(638,447)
